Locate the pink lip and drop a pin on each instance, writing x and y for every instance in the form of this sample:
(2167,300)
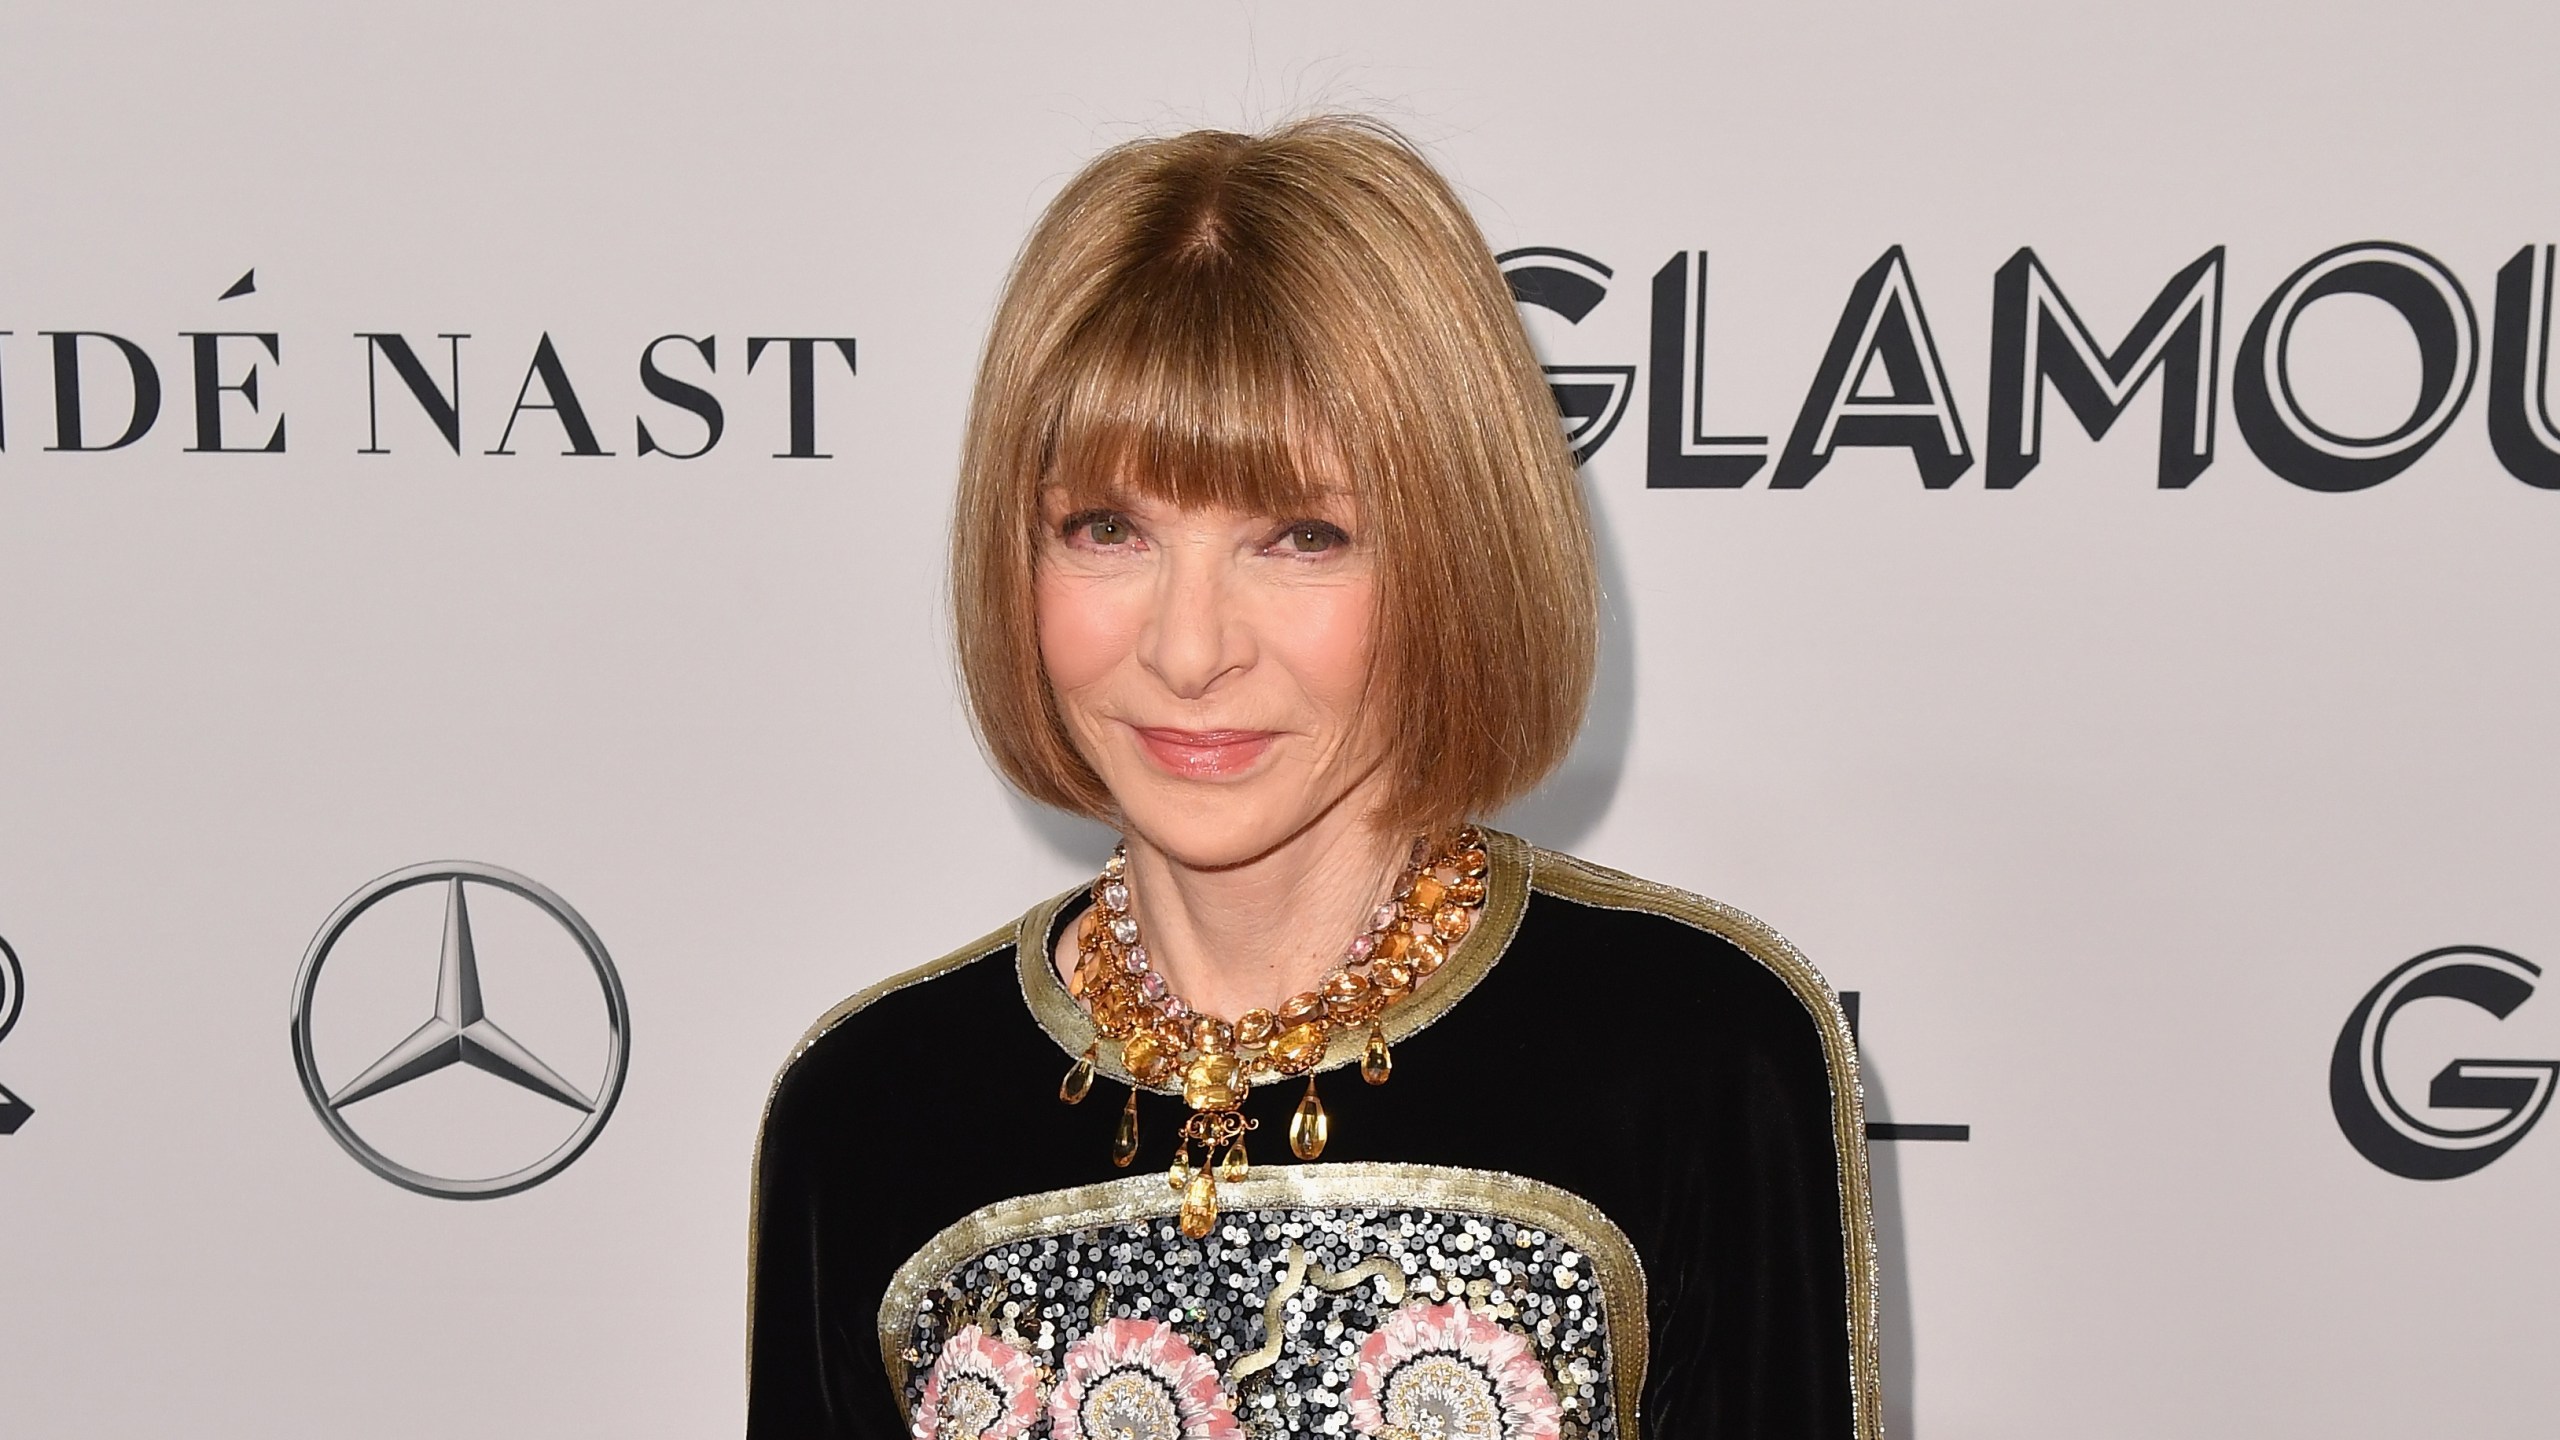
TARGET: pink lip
(1204,754)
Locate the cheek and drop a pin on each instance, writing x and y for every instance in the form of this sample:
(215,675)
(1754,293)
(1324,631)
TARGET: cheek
(1086,629)
(1325,635)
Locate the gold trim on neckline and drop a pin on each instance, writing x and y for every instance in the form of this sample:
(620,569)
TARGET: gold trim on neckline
(1506,898)
(1362,1185)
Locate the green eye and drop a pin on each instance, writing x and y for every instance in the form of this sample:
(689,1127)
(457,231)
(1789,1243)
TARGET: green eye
(1106,530)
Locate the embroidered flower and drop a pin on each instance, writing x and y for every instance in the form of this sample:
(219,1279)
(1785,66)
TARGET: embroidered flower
(980,1389)
(1138,1380)
(1445,1372)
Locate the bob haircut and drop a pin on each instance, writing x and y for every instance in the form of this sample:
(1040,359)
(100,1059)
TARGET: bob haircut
(1236,321)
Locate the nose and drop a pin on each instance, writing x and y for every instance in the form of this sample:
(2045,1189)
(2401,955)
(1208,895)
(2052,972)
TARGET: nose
(1194,635)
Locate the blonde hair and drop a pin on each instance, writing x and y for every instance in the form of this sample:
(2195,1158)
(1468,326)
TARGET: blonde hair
(1240,321)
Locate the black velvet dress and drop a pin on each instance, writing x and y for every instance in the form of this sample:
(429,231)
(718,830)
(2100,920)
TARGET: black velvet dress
(1615,1187)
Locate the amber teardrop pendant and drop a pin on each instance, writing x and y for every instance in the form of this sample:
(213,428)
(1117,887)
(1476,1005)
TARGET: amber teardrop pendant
(1124,1140)
(1375,1063)
(1232,1168)
(1079,1081)
(1310,1127)
(1178,1174)
(1200,1204)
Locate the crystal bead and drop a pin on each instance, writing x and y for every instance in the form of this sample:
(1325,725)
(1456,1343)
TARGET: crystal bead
(1124,930)
(1146,1054)
(1213,1035)
(1473,862)
(1115,897)
(1212,1082)
(1174,1008)
(1079,1081)
(1350,997)
(1135,961)
(1298,1047)
(1117,864)
(1151,985)
(1179,1173)
(1395,978)
(1232,1168)
(1384,916)
(1309,1126)
(1256,1027)
(1425,955)
(1426,896)
(1467,890)
(1452,922)
(1361,945)
(1200,1204)
(1304,1006)
(1375,1063)
(1124,1140)
(1394,946)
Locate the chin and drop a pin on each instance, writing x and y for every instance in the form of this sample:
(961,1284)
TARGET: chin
(1210,827)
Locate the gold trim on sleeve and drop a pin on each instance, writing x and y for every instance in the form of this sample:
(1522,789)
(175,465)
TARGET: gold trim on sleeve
(1578,880)
(1506,899)
(971,953)
(1515,1198)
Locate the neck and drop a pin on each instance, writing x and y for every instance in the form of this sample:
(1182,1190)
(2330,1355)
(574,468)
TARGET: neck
(1249,936)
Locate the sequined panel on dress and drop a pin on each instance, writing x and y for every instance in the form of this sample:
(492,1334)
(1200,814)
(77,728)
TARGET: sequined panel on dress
(1400,1302)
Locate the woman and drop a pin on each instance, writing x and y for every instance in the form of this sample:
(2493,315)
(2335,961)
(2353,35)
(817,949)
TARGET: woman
(1320,1111)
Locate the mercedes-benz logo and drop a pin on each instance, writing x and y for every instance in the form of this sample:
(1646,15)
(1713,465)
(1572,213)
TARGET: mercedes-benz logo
(460,1032)
(13,997)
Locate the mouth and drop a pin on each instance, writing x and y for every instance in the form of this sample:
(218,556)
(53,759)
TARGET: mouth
(1203,754)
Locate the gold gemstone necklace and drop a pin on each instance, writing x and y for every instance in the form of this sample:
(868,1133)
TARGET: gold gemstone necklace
(1219,1062)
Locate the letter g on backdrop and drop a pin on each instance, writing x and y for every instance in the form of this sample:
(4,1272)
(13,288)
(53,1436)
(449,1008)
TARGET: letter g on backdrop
(2514,1092)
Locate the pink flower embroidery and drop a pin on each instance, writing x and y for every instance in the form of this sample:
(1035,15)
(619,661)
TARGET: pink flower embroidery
(1444,1371)
(1138,1380)
(980,1389)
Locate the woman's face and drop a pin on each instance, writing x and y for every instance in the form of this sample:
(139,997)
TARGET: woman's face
(1211,665)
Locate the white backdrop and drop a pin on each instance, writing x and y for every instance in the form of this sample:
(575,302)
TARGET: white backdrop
(2111,800)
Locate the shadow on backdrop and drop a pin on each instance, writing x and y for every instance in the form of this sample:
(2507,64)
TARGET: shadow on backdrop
(1083,843)
(1563,812)
(1893,1273)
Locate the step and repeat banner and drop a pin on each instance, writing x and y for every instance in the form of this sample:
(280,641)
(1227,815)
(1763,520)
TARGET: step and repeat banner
(2080,504)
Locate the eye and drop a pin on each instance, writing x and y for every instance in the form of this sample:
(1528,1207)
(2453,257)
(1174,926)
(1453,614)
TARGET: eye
(1100,528)
(1312,537)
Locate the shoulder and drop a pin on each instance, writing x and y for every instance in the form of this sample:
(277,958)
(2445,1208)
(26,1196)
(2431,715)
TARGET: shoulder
(1687,953)
(1751,1059)
(872,1030)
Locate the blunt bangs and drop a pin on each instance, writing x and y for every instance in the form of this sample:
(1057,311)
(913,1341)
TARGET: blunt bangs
(1187,386)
